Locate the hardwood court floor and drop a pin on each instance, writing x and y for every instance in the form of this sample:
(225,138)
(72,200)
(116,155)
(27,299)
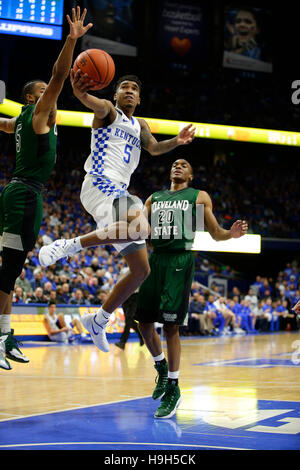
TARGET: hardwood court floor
(235,389)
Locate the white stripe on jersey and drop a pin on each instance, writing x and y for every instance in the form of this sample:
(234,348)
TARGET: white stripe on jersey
(115,154)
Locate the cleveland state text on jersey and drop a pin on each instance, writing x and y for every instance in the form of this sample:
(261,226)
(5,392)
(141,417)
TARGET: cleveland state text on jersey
(176,219)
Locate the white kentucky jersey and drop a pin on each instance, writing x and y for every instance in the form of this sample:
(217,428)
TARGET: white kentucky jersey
(115,154)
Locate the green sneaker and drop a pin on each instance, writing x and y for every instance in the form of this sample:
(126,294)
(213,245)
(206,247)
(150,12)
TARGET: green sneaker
(4,364)
(169,403)
(11,348)
(161,381)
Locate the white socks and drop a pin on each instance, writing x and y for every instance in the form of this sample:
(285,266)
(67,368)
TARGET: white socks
(173,375)
(102,316)
(75,244)
(5,326)
(159,358)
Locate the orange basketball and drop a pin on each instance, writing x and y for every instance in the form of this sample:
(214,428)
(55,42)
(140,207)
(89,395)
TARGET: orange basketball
(98,65)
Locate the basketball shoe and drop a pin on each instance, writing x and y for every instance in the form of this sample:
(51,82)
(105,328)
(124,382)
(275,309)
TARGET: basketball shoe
(170,402)
(12,351)
(96,328)
(51,253)
(161,380)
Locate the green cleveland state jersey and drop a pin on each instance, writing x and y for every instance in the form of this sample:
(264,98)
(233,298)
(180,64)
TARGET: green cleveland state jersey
(173,219)
(35,153)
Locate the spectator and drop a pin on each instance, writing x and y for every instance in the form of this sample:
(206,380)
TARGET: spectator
(65,271)
(65,295)
(48,287)
(95,264)
(52,296)
(22,282)
(214,316)
(47,237)
(38,297)
(253,299)
(236,293)
(197,321)
(248,315)
(100,298)
(204,266)
(38,279)
(18,296)
(57,328)
(229,317)
(78,298)
(267,315)
(108,285)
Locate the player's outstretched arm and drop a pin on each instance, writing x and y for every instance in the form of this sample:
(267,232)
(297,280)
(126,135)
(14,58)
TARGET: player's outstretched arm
(62,66)
(7,125)
(81,85)
(149,143)
(237,230)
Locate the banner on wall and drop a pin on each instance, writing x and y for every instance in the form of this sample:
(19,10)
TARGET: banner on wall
(247,39)
(113,29)
(181,31)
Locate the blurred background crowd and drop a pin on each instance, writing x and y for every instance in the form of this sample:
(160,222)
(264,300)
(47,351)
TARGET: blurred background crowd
(180,57)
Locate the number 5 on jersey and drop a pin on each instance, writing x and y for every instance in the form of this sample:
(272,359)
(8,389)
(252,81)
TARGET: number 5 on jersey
(127,151)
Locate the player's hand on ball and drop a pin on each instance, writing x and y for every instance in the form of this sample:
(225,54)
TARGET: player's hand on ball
(80,82)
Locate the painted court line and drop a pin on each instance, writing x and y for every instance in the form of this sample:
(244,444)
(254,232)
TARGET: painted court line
(122,443)
(75,408)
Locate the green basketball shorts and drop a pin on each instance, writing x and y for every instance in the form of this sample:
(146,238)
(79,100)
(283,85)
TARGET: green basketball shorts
(21,213)
(164,295)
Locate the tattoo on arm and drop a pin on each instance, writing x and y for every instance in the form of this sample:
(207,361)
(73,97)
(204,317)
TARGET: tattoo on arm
(156,148)
(145,138)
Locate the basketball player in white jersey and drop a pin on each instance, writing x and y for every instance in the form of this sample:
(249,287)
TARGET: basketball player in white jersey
(117,138)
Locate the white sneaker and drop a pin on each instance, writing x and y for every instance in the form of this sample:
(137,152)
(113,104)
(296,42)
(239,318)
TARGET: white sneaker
(62,248)
(4,364)
(96,330)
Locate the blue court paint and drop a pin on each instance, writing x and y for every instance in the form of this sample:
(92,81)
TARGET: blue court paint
(129,425)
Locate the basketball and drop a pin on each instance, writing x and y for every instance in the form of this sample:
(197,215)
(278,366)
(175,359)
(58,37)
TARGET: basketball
(98,65)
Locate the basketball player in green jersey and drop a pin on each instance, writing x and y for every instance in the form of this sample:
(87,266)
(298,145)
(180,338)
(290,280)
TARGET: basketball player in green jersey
(21,202)
(164,295)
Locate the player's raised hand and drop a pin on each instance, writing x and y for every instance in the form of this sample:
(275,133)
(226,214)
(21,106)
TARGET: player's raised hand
(239,228)
(76,24)
(186,135)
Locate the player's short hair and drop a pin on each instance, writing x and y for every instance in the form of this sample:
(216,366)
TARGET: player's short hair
(51,302)
(28,89)
(131,78)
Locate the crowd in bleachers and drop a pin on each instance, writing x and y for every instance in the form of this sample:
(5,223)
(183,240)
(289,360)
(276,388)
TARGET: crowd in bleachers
(265,307)
(269,200)
(88,277)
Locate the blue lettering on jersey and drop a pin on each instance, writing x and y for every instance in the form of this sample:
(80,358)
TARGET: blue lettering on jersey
(128,137)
